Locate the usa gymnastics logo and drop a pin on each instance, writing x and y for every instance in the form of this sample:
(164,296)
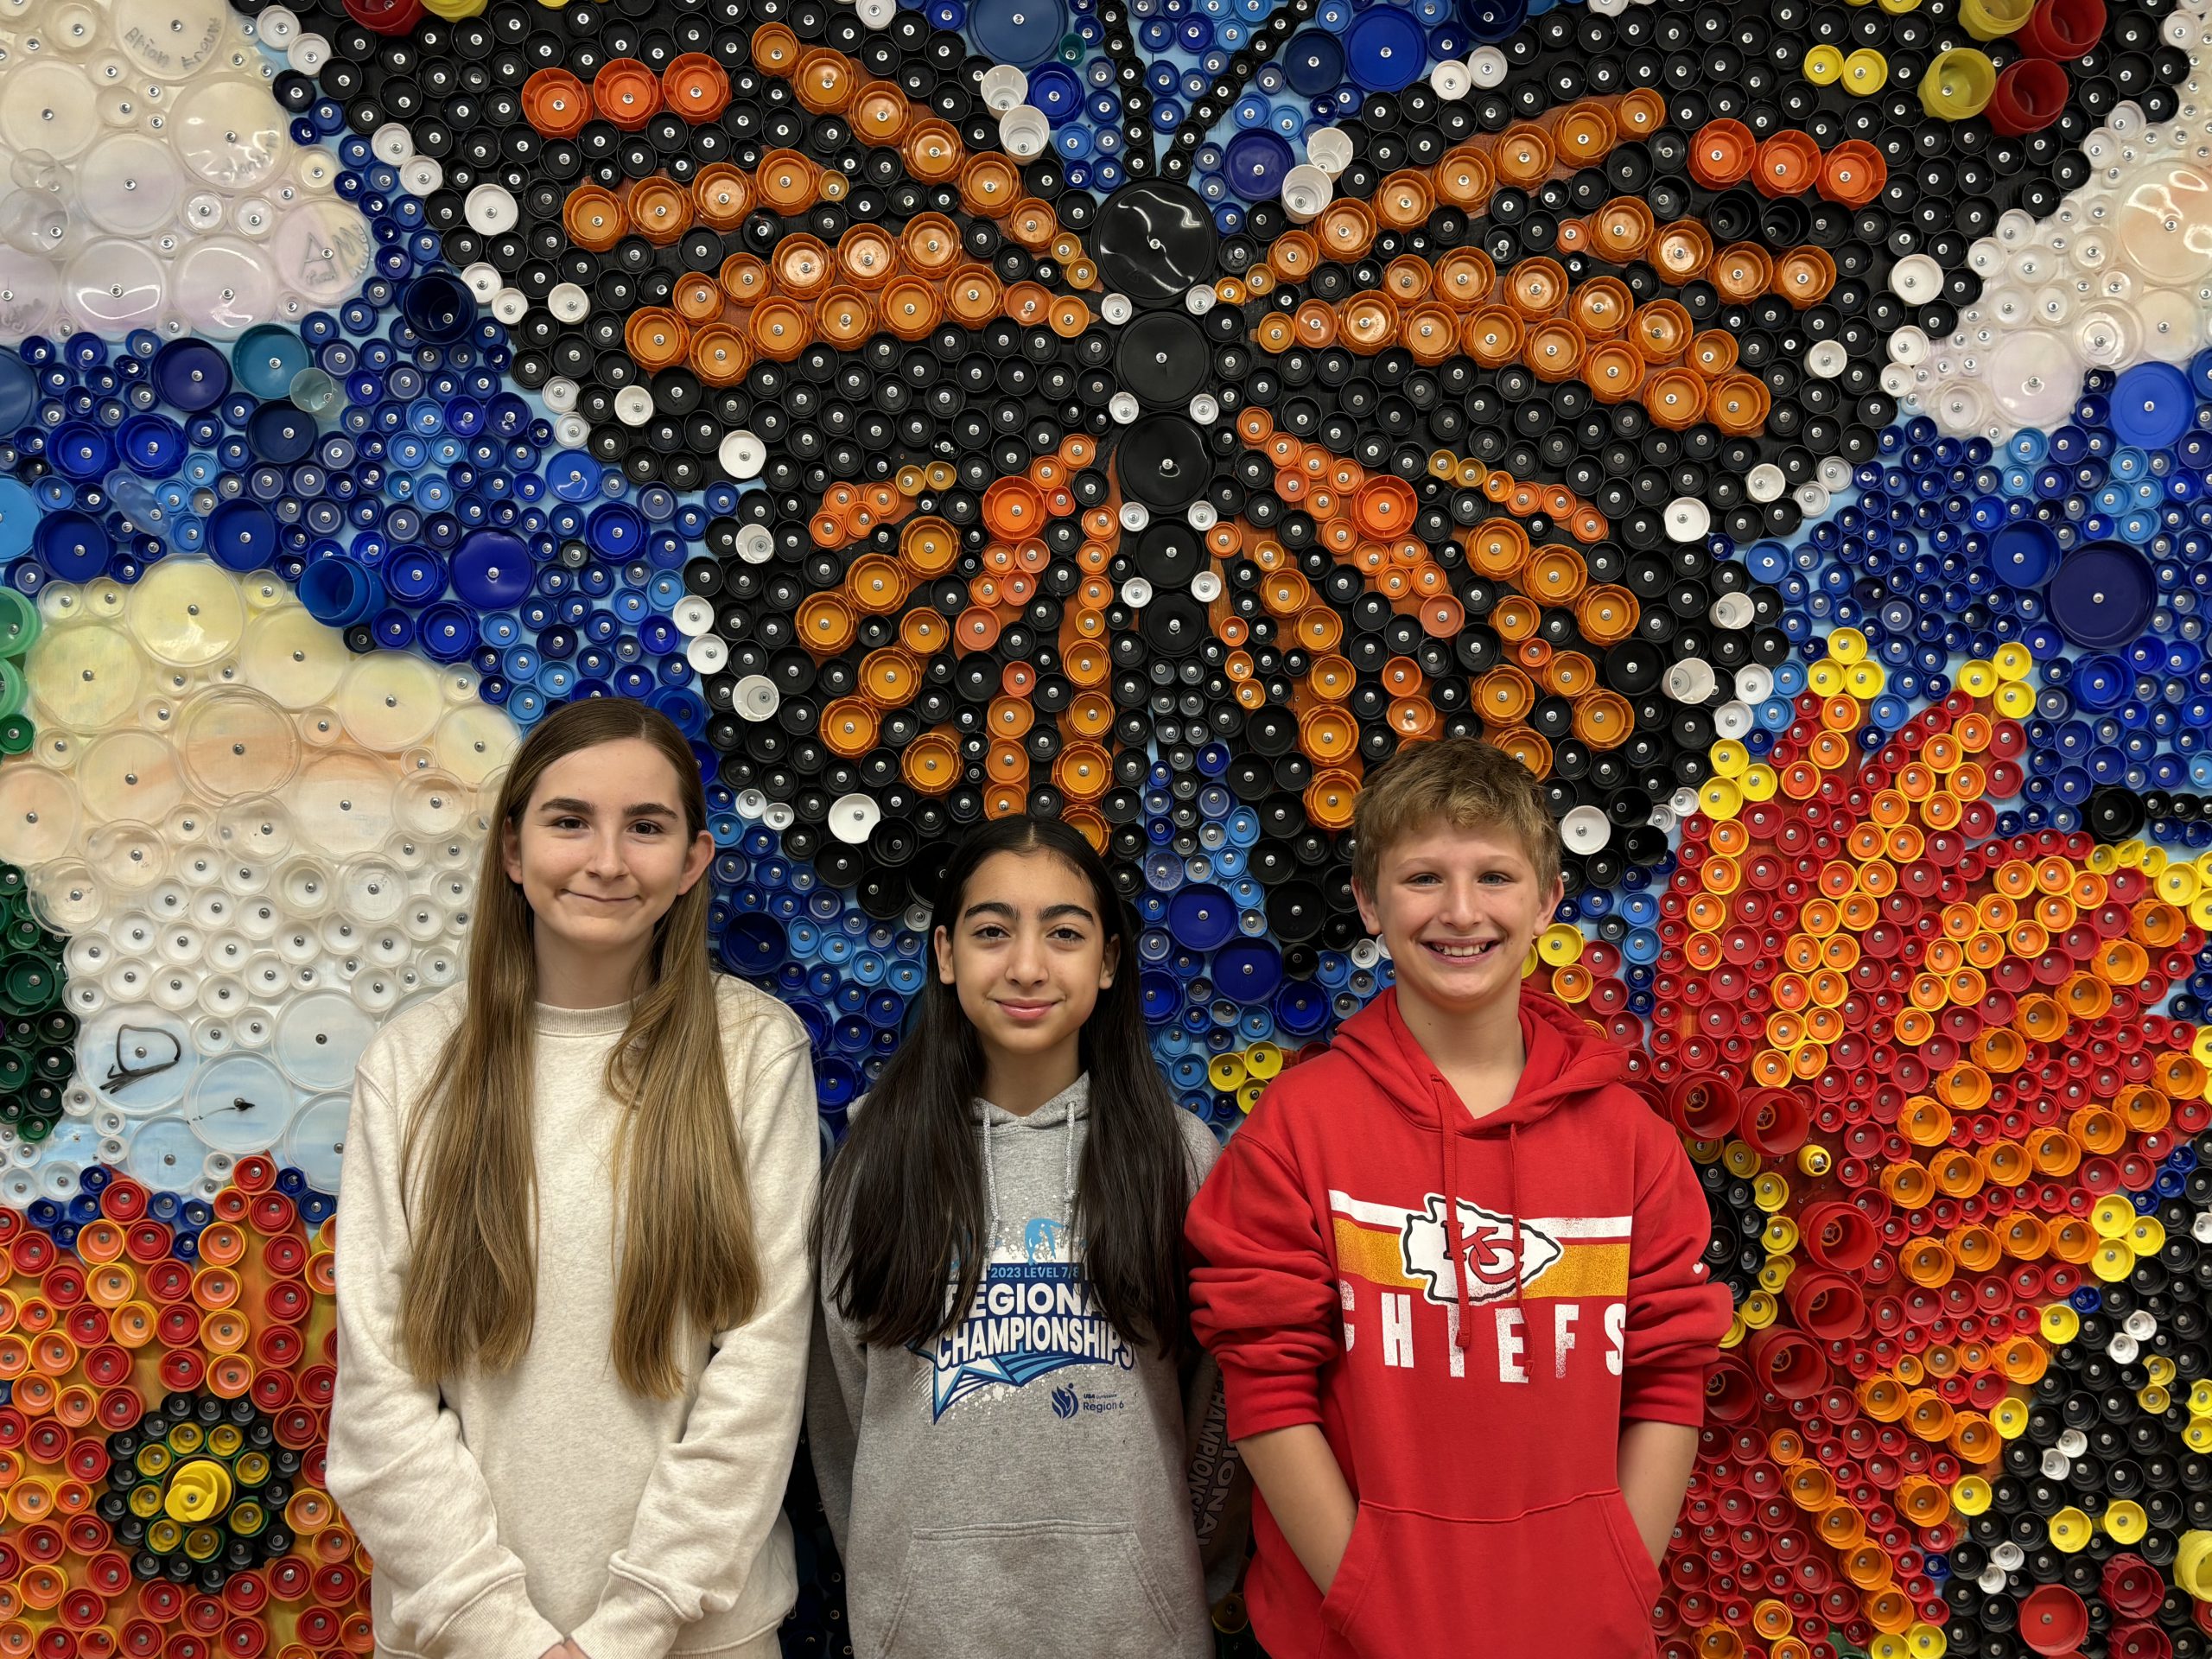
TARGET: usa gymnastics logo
(1029,1319)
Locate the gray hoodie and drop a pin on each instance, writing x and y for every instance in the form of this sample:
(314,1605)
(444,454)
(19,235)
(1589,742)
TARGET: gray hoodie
(1028,1484)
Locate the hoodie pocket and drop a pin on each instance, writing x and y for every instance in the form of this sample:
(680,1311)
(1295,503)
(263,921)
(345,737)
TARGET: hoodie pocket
(1569,1581)
(1075,1589)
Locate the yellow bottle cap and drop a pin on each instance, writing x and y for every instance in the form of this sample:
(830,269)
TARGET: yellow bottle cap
(1865,72)
(1824,66)
(1958,85)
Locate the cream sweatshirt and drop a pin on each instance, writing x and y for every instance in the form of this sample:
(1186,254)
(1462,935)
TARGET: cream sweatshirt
(504,1512)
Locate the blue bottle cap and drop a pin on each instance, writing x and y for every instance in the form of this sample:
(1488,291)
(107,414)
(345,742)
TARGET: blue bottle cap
(1161,995)
(2024,554)
(438,306)
(1301,1008)
(1247,971)
(754,945)
(280,433)
(73,546)
(152,445)
(339,592)
(1024,33)
(2100,682)
(1387,49)
(1056,91)
(414,576)
(2102,595)
(492,568)
(1493,20)
(242,535)
(616,532)
(1313,63)
(1203,918)
(448,632)
(1254,162)
(18,518)
(80,449)
(2152,405)
(18,392)
(265,360)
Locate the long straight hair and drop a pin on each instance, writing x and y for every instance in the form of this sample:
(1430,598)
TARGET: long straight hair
(688,1258)
(908,1185)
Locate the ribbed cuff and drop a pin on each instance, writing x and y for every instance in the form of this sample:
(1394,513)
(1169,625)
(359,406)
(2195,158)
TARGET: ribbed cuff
(1673,1394)
(1260,1402)
(631,1622)
(501,1623)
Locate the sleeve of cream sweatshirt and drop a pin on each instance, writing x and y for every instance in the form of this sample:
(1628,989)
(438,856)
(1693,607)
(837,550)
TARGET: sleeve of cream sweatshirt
(397,1461)
(715,1493)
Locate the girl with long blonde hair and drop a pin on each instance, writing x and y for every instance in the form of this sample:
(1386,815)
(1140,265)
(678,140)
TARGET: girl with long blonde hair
(574,1286)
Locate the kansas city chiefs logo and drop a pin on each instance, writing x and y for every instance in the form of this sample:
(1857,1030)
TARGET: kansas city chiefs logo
(1487,1241)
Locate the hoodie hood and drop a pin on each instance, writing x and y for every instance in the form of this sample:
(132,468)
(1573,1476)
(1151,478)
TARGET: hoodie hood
(1566,1061)
(1562,1062)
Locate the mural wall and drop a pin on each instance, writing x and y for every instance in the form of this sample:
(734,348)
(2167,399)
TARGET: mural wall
(1785,427)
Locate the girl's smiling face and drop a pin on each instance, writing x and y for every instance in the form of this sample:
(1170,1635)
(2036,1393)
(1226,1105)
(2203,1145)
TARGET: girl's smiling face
(1027,955)
(601,851)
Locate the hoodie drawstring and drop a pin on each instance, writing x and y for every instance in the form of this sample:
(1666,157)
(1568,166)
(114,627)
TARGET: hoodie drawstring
(1448,1112)
(1445,1117)
(1513,1197)
(1067,1186)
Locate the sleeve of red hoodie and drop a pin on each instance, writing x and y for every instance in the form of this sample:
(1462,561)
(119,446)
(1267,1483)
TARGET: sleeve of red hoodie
(1676,1314)
(1264,1291)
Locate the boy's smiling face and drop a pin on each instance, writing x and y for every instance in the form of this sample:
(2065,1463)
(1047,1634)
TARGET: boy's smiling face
(1459,909)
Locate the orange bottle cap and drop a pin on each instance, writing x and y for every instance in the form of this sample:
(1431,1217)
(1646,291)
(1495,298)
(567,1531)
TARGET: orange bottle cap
(878,114)
(824,81)
(1674,398)
(1682,249)
(1346,229)
(1553,350)
(932,151)
(786,180)
(593,220)
(658,211)
(989,185)
(780,328)
(909,307)
(845,316)
(657,338)
(1721,153)
(556,104)
(1536,288)
(1787,164)
(1613,372)
(695,87)
(1523,155)
(1464,277)
(1622,229)
(625,93)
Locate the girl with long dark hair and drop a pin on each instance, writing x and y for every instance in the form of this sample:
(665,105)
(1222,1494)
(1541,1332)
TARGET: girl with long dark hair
(1017,1449)
(574,1289)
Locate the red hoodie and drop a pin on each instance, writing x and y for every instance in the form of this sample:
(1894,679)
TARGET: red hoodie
(1490,1521)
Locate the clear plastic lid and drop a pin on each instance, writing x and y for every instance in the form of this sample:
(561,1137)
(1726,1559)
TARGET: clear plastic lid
(171,40)
(220,286)
(129,185)
(51,107)
(85,678)
(238,1104)
(342,802)
(131,776)
(39,812)
(229,133)
(187,612)
(113,286)
(237,742)
(293,657)
(391,701)
(315,1143)
(319,1038)
(474,742)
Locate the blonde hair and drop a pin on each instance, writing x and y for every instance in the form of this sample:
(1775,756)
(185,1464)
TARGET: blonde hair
(687,1254)
(1459,781)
